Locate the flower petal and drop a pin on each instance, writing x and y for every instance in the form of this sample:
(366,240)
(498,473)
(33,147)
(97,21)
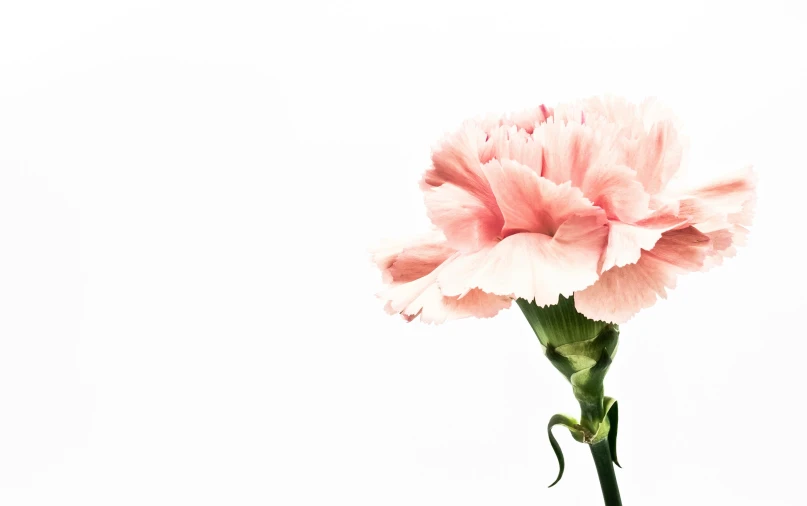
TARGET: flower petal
(528,120)
(458,197)
(438,308)
(621,292)
(530,203)
(411,271)
(422,297)
(626,241)
(722,203)
(722,210)
(456,161)
(569,149)
(656,156)
(403,261)
(532,266)
(467,222)
(514,144)
(647,135)
(615,189)
(725,239)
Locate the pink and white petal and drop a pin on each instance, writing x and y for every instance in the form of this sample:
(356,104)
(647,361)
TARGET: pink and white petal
(529,119)
(414,263)
(683,249)
(615,109)
(745,216)
(623,116)
(514,144)
(530,203)
(723,246)
(456,161)
(570,111)
(532,266)
(626,241)
(582,141)
(525,150)
(621,292)
(422,297)
(667,218)
(488,122)
(467,222)
(408,298)
(665,203)
(476,303)
(419,260)
(739,236)
(647,135)
(615,189)
(569,149)
(726,240)
(588,231)
(656,155)
(721,203)
(495,144)
(403,259)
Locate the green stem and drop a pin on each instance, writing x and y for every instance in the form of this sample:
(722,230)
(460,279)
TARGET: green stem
(591,411)
(605,470)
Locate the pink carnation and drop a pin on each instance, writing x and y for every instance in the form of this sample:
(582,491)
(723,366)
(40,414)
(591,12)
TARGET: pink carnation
(567,201)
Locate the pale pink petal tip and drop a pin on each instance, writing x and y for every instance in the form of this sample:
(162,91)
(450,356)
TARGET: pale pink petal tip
(726,209)
(411,269)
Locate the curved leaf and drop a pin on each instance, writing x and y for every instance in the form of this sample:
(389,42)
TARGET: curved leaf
(571,424)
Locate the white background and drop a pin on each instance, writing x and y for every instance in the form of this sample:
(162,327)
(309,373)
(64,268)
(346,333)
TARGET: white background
(187,194)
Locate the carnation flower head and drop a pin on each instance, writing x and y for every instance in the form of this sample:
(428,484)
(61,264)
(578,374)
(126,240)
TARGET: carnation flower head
(573,201)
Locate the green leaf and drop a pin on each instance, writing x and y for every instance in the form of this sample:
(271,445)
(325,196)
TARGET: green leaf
(612,411)
(571,424)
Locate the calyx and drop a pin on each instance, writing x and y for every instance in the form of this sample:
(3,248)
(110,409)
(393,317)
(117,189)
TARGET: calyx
(582,350)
